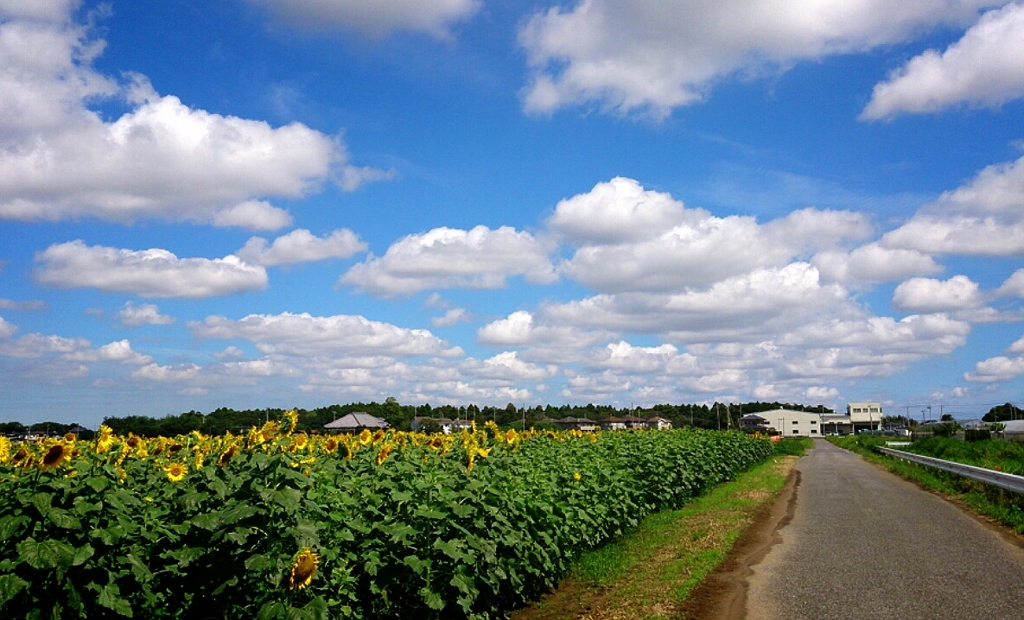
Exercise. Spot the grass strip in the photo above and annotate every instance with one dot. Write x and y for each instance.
(650, 572)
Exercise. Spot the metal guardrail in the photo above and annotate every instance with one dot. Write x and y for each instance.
(1010, 482)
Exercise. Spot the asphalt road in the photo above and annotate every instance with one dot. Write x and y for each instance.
(863, 543)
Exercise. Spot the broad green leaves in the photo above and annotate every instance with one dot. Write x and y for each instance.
(403, 524)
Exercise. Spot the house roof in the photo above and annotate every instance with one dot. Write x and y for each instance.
(356, 419)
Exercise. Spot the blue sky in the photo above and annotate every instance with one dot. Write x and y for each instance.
(255, 204)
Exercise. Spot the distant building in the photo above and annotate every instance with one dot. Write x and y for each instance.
(447, 425)
(356, 421)
(859, 417)
(786, 422)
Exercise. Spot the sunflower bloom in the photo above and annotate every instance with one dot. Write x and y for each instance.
(176, 472)
(227, 455)
(365, 437)
(57, 454)
(105, 440)
(385, 451)
(331, 445)
(303, 569)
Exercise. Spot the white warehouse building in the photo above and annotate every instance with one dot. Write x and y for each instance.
(788, 423)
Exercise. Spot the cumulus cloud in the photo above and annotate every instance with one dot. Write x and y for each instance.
(119, 352)
(872, 264)
(148, 273)
(984, 68)
(551, 342)
(481, 258)
(253, 215)
(137, 315)
(632, 239)
(1013, 286)
(730, 308)
(995, 369)
(451, 317)
(305, 334)
(374, 17)
(618, 211)
(652, 56)
(300, 246)
(162, 159)
(929, 295)
(983, 217)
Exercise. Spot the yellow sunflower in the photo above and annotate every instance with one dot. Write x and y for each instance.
(57, 454)
(385, 451)
(227, 455)
(176, 472)
(104, 441)
(303, 568)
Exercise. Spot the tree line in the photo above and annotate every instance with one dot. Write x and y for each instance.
(222, 420)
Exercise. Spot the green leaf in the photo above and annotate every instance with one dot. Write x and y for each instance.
(431, 598)
(109, 536)
(110, 597)
(207, 521)
(287, 497)
(82, 554)
(10, 585)
(10, 525)
(64, 519)
(46, 554)
(97, 483)
(418, 564)
(401, 496)
(139, 569)
(42, 502)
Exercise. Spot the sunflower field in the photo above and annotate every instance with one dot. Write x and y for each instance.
(280, 524)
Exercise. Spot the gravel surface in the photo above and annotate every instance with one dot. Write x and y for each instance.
(863, 543)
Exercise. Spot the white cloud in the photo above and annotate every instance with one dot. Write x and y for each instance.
(929, 295)
(148, 273)
(632, 239)
(480, 258)
(1013, 286)
(132, 315)
(451, 317)
(168, 374)
(555, 343)
(873, 263)
(817, 229)
(1018, 346)
(161, 159)
(253, 215)
(984, 68)
(300, 246)
(746, 304)
(119, 352)
(304, 334)
(618, 211)
(655, 55)
(996, 369)
(983, 217)
(508, 367)
(7, 329)
(636, 360)
(374, 17)
(32, 304)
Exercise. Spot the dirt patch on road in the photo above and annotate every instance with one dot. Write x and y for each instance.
(723, 594)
